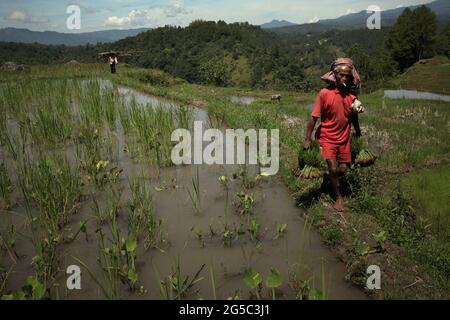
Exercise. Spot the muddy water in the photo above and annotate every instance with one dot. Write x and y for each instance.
(242, 100)
(300, 251)
(415, 95)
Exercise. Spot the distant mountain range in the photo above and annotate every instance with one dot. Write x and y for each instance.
(277, 24)
(388, 17)
(70, 39)
(358, 20)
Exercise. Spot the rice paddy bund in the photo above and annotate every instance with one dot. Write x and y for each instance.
(86, 179)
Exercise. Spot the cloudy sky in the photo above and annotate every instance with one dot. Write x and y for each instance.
(126, 14)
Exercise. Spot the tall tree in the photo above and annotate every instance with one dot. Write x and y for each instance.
(443, 41)
(412, 37)
(425, 30)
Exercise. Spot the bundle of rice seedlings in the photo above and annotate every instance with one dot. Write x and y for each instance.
(361, 154)
(309, 172)
(365, 158)
(311, 157)
(356, 145)
(310, 162)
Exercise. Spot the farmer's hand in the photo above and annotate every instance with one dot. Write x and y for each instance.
(307, 144)
(357, 106)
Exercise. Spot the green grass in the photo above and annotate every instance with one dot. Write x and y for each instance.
(430, 189)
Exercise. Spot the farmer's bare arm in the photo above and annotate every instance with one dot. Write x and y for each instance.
(355, 121)
(309, 130)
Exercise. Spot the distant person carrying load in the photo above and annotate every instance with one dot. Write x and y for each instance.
(338, 108)
(113, 62)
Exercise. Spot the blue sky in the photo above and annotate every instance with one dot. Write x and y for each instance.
(126, 14)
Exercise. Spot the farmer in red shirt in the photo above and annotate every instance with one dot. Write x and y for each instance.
(334, 107)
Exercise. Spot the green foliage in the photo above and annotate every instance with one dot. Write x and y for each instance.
(280, 230)
(43, 54)
(245, 202)
(374, 68)
(331, 234)
(274, 279)
(5, 185)
(252, 279)
(253, 229)
(412, 37)
(157, 78)
(430, 189)
(177, 285)
(215, 72)
(33, 290)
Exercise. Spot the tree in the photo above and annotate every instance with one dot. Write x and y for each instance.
(425, 30)
(374, 69)
(447, 36)
(412, 37)
(214, 71)
(443, 41)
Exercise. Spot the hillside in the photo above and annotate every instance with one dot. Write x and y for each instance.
(433, 76)
(35, 53)
(236, 54)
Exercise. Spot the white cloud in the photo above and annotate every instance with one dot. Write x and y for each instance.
(151, 17)
(314, 20)
(17, 15)
(24, 17)
(349, 11)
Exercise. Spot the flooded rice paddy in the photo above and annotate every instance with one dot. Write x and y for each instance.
(244, 100)
(416, 95)
(138, 227)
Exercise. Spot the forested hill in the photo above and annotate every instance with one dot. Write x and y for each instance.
(216, 52)
(36, 53)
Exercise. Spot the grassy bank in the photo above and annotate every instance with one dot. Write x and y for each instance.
(431, 76)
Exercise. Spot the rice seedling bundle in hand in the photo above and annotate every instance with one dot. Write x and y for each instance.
(310, 162)
(361, 154)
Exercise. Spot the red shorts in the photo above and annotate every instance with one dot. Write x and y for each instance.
(340, 152)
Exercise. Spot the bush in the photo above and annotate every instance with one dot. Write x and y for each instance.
(158, 78)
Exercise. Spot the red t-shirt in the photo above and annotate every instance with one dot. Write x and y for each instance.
(334, 109)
